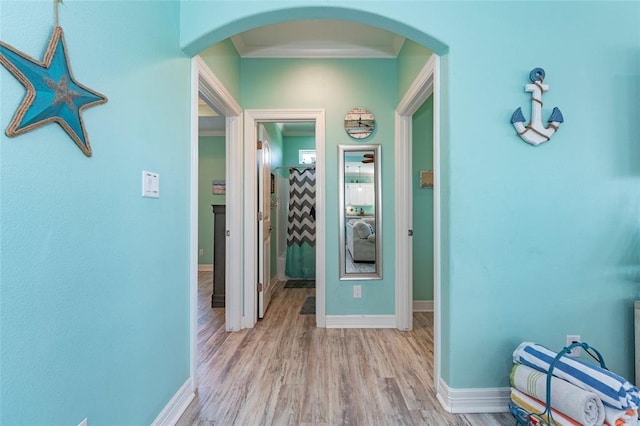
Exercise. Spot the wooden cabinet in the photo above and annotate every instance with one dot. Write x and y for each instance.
(359, 194)
(219, 240)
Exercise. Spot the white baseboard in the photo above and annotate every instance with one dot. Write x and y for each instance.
(205, 267)
(360, 321)
(423, 306)
(171, 413)
(473, 400)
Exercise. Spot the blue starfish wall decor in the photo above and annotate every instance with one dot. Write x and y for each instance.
(52, 93)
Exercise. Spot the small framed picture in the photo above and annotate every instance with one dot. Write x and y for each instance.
(426, 179)
(218, 187)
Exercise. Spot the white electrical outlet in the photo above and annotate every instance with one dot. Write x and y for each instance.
(201, 252)
(577, 351)
(150, 184)
(357, 291)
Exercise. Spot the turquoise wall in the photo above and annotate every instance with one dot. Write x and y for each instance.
(337, 86)
(554, 223)
(522, 220)
(94, 279)
(411, 60)
(422, 158)
(293, 144)
(225, 60)
(211, 166)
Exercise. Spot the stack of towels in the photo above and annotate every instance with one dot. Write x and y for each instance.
(581, 393)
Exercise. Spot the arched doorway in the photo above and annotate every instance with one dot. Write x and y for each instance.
(402, 222)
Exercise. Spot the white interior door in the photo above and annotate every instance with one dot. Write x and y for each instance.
(264, 222)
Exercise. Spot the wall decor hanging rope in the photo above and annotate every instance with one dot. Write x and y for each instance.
(53, 95)
(535, 133)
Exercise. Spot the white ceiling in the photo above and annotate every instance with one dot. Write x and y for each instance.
(317, 39)
(298, 128)
(308, 39)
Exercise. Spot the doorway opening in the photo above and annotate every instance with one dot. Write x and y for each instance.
(286, 210)
(403, 299)
(426, 85)
(206, 86)
(255, 120)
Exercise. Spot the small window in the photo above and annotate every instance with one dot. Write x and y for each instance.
(307, 156)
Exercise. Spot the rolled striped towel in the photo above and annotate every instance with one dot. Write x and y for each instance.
(583, 406)
(621, 417)
(613, 390)
(532, 405)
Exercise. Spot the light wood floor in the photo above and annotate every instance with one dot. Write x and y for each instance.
(286, 371)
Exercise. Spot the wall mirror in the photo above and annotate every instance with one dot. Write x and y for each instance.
(360, 212)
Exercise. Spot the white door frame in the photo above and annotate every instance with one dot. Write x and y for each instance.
(205, 83)
(251, 117)
(426, 83)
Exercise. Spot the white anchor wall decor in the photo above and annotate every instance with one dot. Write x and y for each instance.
(535, 133)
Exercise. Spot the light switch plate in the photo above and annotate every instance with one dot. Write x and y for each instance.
(150, 184)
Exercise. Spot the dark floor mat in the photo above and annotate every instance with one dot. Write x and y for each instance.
(300, 284)
(309, 306)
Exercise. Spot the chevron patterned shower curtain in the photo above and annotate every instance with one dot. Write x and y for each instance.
(301, 229)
